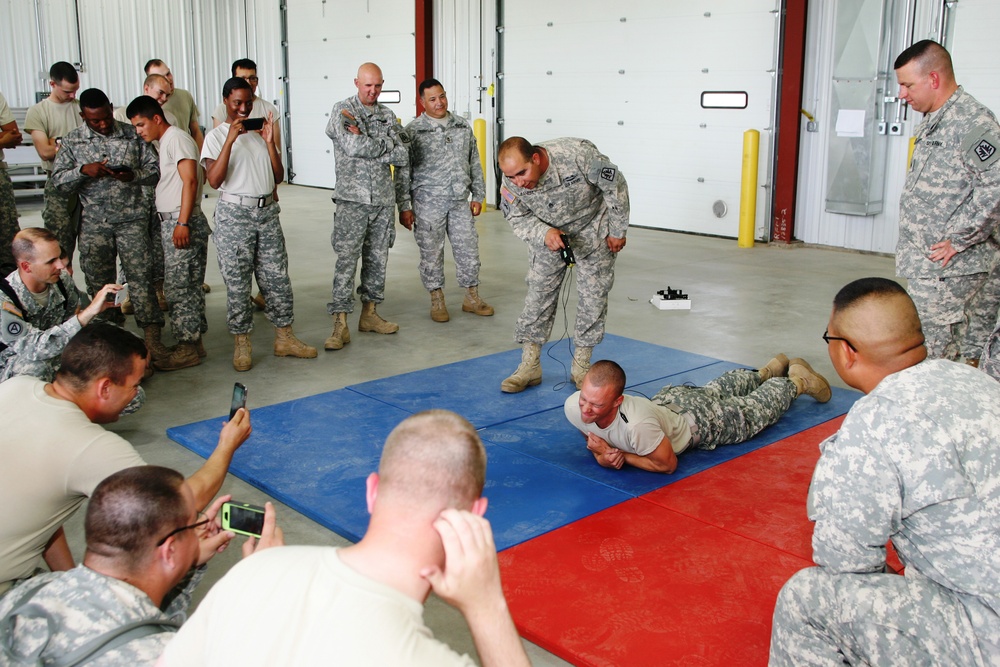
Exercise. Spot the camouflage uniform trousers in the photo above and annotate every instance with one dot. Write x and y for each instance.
(944, 308)
(9, 226)
(184, 273)
(732, 408)
(249, 242)
(434, 218)
(824, 617)
(100, 243)
(546, 271)
(61, 216)
(990, 361)
(365, 231)
(983, 308)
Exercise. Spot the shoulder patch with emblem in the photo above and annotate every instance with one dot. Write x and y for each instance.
(609, 173)
(12, 327)
(984, 150)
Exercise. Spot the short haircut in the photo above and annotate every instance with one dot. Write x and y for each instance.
(235, 83)
(23, 247)
(929, 56)
(131, 510)
(155, 78)
(144, 106)
(433, 459)
(519, 145)
(606, 372)
(863, 288)
(244, 63)
(99, 350)
(63, 71)
(427, 83)
(151, 63)
(94, 98)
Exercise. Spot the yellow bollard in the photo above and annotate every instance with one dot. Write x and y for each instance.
(909, 154)
(748, 189)
(479, 129)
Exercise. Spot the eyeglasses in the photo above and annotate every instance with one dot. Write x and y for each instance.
(173, 532)
(251, 79)
(827, 337)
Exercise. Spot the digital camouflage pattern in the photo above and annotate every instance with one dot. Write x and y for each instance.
(946, 317)
(363, 224)
(952, 192)
(85, 605)
(61, 216)
(586, 197)
(184, 273)
(9, 226)
(114, 219)
(43, 331)
(915, 461)
(444, 170)
(732, 408)
(249, 240)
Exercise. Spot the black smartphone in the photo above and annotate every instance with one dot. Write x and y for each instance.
(251, 124)
(239, 399)
(243, 518)
(120, 168)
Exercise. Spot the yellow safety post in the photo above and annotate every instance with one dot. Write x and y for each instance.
(479, 129)
(909, 153)
(748, 189)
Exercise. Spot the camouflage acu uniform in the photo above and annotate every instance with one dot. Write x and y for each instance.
(586, 197)
(915, 461)
(990, 361)
(84, 605)
(115, 216)
(444, 170)
(730, 409)
(184, 273)
(365, 194)
(9, 226)
(952, 192)
(43, 331)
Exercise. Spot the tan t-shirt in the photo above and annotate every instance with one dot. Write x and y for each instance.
(176, 145)
(53, 458)
(249, 172)
(55, 120)
(182, 106)
(642, 428)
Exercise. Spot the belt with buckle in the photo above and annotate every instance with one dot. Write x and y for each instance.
(249, 202)
(167, 217)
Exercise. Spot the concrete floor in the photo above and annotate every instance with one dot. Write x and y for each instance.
(747, 304)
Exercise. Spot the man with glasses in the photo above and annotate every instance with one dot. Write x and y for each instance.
(48, 122)
(916, 462)
(55, 450)
(649, 434)
(147, 549)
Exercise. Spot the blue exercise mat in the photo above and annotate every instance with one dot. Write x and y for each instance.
(315, 453)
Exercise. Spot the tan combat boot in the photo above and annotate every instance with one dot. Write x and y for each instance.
(528, 373)
(243, 353)
(439, 311)
(370, 320)
(185, 355)
(808, 381)
(473, 303)
(156, 348)
(161, 298)
(340, 336)
(581, 364)
(287, 345)
(775, 368)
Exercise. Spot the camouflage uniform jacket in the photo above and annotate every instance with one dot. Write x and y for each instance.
(45, 330)
(582, 193)
(86, 605)
(362, 160)
(916, 461)
(952, 191)
(444, 160)
(107, 198)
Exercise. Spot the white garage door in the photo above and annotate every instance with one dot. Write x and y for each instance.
(629, 76)
(327, 41)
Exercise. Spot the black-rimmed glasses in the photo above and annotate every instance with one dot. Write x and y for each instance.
(827, 337)
(173, 532)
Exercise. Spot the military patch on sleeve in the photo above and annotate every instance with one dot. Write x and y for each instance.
(984, 150)
(506, 200)
(609, 173)
(12, 327)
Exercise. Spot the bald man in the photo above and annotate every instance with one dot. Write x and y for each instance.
(366, 140)
(364, 602)
(916, 461)
(950, 207)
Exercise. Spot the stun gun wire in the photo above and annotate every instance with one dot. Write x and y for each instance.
(566, 291)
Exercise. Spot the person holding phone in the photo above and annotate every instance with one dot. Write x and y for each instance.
(244, 167)
(40, 307)
(427, 532)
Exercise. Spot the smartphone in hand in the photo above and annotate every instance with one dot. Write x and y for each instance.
(253, 124)
(239, 399)
(243, 518)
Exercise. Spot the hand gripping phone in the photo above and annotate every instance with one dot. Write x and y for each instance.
(239, 399)
(243, 518)
(252, 124)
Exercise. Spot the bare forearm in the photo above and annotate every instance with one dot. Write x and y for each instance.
(57, 554)
(496, 637)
